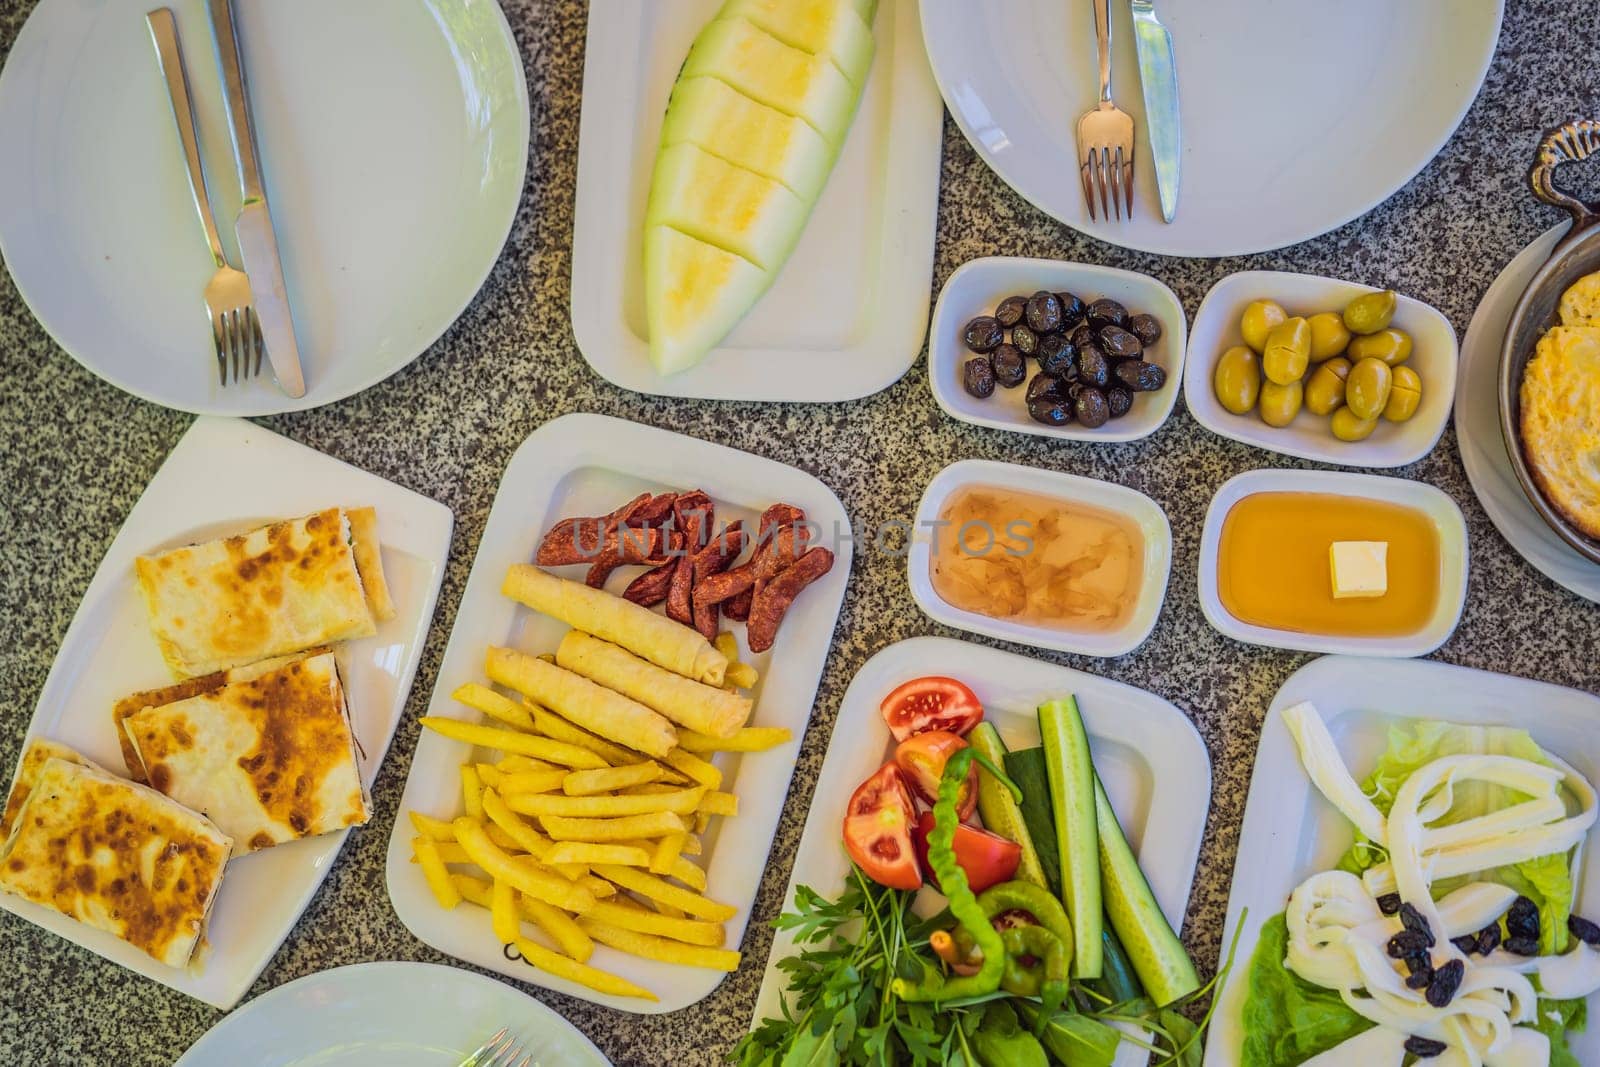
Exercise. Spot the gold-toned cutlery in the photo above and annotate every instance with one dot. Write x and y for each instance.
(235, 333)
(1105, 136)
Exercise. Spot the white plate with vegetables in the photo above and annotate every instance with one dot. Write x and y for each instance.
(1446, 771)
(780, 246)
(902, 721)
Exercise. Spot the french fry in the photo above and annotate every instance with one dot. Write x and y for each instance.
(666, 853)
(501, 838)
(471, 790)
(588, 852)
(493, 705)
(522, 874)
(668, 910)
(447, 851)
(702, 820)
(659, 948)
(433, 869)
(749, 739)
(641, 920)
(648, 789)
(623, 828)
(567, 935)
(473, 890)
(598, 886)
(728, 645)
(537, 781)
(742, 676)
(513, 742)
(582, 973)
(590, 783)
(696, 768)
(648, 885)
(489, 775)
(503, 912)
(526, 837)
(556, 728)
(716, 802)
(522, 765)
(684, 870)
(679, 802)
(438, 829)
(693, 846)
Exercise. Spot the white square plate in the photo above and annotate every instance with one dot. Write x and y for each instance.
(588, 465)
(227, 476)
(1290, 832)
(1153, 763)
(846, 316)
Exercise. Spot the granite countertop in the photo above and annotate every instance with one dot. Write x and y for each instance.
(75, 454)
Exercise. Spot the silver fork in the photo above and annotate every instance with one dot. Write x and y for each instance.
(1105, 136)
(234, 331)
(501, 1050)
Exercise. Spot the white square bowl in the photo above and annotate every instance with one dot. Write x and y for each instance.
(1392, 444)
(976, 287)
(1447, 522)
(1131, 503)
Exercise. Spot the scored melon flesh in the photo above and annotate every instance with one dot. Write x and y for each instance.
(695, 294)
(765, 69)
(716, 202)
(718, 118)
(831, 28)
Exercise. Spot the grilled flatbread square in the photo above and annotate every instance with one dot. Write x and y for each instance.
(116, 856)
(39, 751)
(270, 758)
(369, 563)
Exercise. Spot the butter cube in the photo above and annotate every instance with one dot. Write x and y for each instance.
(1360, 568)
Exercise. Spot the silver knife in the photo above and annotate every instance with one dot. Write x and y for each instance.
(258, 246)
(1159, 76)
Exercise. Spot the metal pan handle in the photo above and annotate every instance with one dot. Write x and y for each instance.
(1570, 143)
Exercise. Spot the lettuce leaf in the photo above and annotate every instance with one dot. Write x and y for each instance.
(1287, 1020)
(1556, 1017)
(1547, 881)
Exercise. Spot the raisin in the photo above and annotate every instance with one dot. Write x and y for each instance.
(1419, 979)
(1415, 921)
(983, 334)
(1389, 903)
(1521, 946)
(1584, 930)
(1407, 943)
(1466, 944)
(1446, 980)
(1523, 918)
(1425, 1047)
(1009, 313)
(1488, 939)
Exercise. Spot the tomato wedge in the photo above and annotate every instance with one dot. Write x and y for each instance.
(932, 703)
(877, 830)
(988, 859)
(921, 760)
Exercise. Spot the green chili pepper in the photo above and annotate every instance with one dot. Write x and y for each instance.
(1001, 1040)
(963, 904)
(1025, 896)
(1051, 957)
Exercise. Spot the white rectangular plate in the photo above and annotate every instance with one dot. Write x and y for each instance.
(588, 465)
(1153, 763)
(227, 476)
(846, 316)
(1290, 832)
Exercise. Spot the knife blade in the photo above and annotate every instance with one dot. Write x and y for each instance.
(258, 243)
(1158, 75)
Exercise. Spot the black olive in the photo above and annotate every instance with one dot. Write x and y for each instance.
(1425, 1048)
(1026, 340)
(983, 334)
(1521, 946)
(1523, 919)
(1092, 408)
(1115, 341)
(1093, 368)
(1140, 376)
(1389, 903)
(1043, 314)
(1488, 939)
(978, 377)
(1446, 980)
(1584, 930)
(1081, 335)
(1147, 328)
(1010, 366)
(1466, 944)
(1120, 399)
(1407, 943)
(1050, 412)
(1106, 312)
(1045, 387)
(1414, 920)
(1056, 354)
(1009, 313)
(1071, 309)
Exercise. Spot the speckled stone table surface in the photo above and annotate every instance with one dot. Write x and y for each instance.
(75, 454)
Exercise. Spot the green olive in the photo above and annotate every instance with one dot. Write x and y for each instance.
(1288, 351)
(1404, 396)
(1391, 345)
(1258, 320)
(1370, 313)
(1281, 403)
(1325, 390)
(1237, 380)
(1366, 391)
(1328, 336)
(1347, 426)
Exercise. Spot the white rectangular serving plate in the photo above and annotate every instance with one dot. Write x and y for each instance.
(846, 316)
(1149, 755)
(1290, 832)
(227, 476)
(580, 465)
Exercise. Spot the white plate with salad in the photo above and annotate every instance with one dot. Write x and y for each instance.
(911, 710)
(1446, 771)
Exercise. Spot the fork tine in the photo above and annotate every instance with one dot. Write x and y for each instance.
(216, 343)
(247, 340)
(1102, 163)
(1127, 180)
(1088, 187)
(260, 342)
(1116, 180)
(235, 339)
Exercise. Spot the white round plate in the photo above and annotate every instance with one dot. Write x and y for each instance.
(396, 1014)
(394, 139)
(1482, 444)
(1298, 115)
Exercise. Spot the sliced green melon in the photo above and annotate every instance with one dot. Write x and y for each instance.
(831, 28)
(695, 294)
(718, 118)
(716, 202)
(765, 69)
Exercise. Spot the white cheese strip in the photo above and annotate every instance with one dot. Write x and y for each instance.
(1325, 768)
